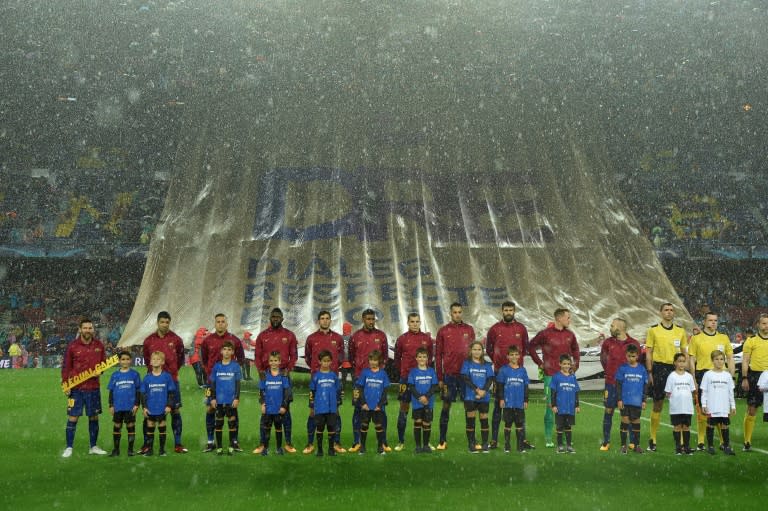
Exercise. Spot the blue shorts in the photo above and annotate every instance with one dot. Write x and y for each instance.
(453, 388)
(610, 396)
(403, 392)
(90, 399)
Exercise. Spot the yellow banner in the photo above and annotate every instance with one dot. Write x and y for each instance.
(90, 373)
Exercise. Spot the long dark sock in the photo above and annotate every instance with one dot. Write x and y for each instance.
(507, 435)
(219, 427)
(687, 439)
(636, 433)
(311, 430)
(176, 427)
(416, 433)
(363, 436)
(380, 436)
(444, 415)
(150, 435)
(93, 430)
(495, 421)
(678, 440)
(726, 437)
(471, 431)
(287, 426)
(70, 432)
(131, 435)
(520, 434)
(623, 433)
(234, 427)
(144, 431)
(210, 425)
(710, 436)
(319, 439)
(279, 436)
(162, 431)
(402, 419)
(559, 438)
(568, 435)
(484, 431)
(116, 435)
(607, 425)
(426, 432)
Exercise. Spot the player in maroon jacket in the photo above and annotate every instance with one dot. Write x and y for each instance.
(169, 344)
(361, 344)
(82, 354)
(554, 341)
(210, 353)
(613, 353)
(278, 338)
(507, 332)
(324, 339)
(451, 350)
(405, 360)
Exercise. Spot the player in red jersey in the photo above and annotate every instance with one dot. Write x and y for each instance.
(554, 341)
(451, 350)
(194, 359)
(507, 332)
(169, 344)
(82, 354)
(210, 353)
(323, 339)
(406, 347)
(613, 354)
(361, 344)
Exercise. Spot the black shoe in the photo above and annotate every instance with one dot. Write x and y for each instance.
(210, 447)
(115, 452)
(319, 453)
(747, 447)
(493, 445)
(131, 453)
(711, 450)
(144, 449)
(528, 445)
(162, 452)
(651, 446)
(700, 447)
(236, 447)
(727, 450)
(148, 452)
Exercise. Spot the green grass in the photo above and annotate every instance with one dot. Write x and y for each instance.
(32, 419)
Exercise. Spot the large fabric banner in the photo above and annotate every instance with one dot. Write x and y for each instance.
(400, 169)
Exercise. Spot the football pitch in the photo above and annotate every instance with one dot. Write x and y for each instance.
(34, 476)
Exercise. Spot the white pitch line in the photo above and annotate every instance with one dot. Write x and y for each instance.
(755, 449)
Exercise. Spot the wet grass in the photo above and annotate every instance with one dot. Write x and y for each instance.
(32, 421)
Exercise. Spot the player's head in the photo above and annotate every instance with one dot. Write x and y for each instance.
(274, 360)
(125, 358)
(414, 322)
(227, 349)
(618, 327)
(163, 322)
(667, 311)
(85, 329)
(220, 323)
(422, 356)
(513, 354)
(508, 311)
(324, 320)
(680, 360)
(369, 319)
(565, 362)
(562, 318)
(762, 324)
(457, 312)
(710, 322)
(476, 351)
(374, 358)
(717, 355)
(632, 353)
(276, 317)
(157, 359)
(326, 359)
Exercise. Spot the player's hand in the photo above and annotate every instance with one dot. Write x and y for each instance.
(733, 412)
(235, 403)
(282, 411)
(312, 412)
(745, 385)
(423, 400)
(263, 408)
(642, 406)
(650, 378)
(525, 405)
(213, 403)
(620, 404)
(704, 410)
(480, 393)
(112, 410)
(364, 407)
(134, 409)
(146, 412)
(167, 409)
(554, 410)
(502, 404)
(578, 409)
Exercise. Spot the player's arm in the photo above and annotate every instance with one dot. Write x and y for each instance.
(111, 402)
(731, 364)
(398, 354)
(620, 401)
(576, 398)
(554, 398)
(490, 340)
(533, 347)
(179, 353)
(308, 353)
(488, 382)
(287, 396)
(575, 354)
(499, 390)
(439, 356)
(293, 352)
(144, 403)
(604, 355)
(382, 399)
(468, 381)
(745, 370)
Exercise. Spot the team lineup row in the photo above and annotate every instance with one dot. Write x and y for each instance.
(459, 372)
